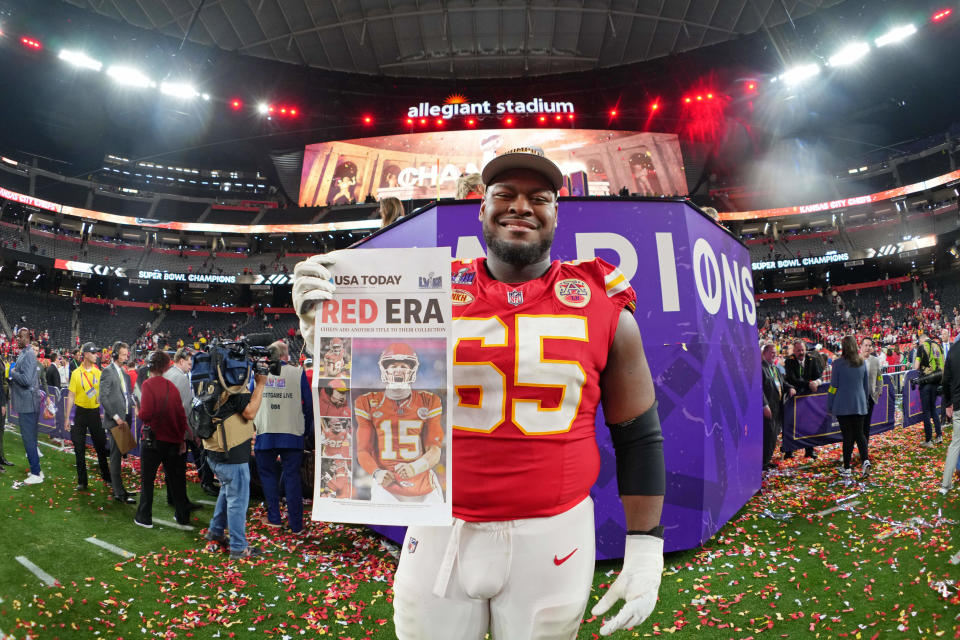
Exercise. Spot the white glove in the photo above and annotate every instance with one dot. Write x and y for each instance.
(637, 584)
(311, 284)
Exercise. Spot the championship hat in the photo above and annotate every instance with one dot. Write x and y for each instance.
(531, 158)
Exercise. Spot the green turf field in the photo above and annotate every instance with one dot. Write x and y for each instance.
(877, 567)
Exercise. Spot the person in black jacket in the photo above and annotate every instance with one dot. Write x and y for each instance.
(52, 374)
(803, 373)
(951, 400)
(775, 391)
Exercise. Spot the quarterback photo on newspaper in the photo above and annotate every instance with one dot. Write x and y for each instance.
(381, 391)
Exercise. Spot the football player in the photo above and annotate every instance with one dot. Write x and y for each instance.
(539, 345)
(336, 482)
(334, 365)
(336, 438)
(332, 400)
(400, 432)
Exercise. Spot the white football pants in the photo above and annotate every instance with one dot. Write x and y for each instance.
(520, 579)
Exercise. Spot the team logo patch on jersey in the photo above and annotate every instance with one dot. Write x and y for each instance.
(464, 276)
(412, 545)
(515, 297)
(377, 414)
(573, 292)
(461, 297)
(422, 413)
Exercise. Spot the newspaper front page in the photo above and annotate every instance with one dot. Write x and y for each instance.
(381, 389)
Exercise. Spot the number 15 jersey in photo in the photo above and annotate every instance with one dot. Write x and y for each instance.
(526, 370)
(390, 432)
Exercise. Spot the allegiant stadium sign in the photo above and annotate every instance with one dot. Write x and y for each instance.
(486, 108)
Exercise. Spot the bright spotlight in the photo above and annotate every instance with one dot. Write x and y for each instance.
(129, 76)
(895, 35)
(850, 54)
(179, 90)
(263, 108)
(800, 73)
(80, 59)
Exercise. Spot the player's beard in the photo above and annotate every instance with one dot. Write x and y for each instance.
(517, 255)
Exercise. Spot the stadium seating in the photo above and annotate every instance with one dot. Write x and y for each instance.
(39, 311)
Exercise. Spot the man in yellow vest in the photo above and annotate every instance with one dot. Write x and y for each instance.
(84, 393)
(928, 362)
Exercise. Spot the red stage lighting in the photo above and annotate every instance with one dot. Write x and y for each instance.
(236, 105)
(543, 118)
(709, 96)
(367, 120)
(687, 100)
(272, 109)
(439, 122)
(293, 112)
(654, 106)
(613, 113)
(751, 86)
(409, 120)
(570, 116)
(283, 110)
(559, 118)
(30, 43)
(423, 121)
(940, 15)
(470, 122)
(699, 98)
(509, 121)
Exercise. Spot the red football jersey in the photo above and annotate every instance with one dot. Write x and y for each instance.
(391, 432)
(340, 485)
(526, 369)
(336, 444)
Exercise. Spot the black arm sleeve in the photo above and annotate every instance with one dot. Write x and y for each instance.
(638, 445)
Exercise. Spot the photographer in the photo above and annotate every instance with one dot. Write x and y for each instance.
(232, 416)
(929, 362)
(285, 416)
(164, 425)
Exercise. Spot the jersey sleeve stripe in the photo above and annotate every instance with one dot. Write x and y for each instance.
(617, 285)
(435, 412)
(360, 412)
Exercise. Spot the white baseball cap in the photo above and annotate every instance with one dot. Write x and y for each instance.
(531, 158)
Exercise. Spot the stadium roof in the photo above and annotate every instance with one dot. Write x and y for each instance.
(457, 39)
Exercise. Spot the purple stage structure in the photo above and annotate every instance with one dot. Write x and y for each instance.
(697, 314)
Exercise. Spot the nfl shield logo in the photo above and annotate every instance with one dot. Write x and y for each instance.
(515, 297)
(412, 545)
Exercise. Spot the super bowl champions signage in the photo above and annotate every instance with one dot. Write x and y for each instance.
(696, 311)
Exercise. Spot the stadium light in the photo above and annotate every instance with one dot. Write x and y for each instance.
(367, 120)
(895, 35)
(654, 106)
(80, 59)
(183, 90)
(799, 73)
(263, 108)
(850, 54)
(941, 15)
(129, 76)
(236, 104)
(30, 43)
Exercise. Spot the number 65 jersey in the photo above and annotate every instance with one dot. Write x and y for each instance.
(526, 370)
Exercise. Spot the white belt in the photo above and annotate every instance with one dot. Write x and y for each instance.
(449, 559)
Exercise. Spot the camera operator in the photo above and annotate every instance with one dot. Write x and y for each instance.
(929, 363)
(233, 415)
(179, 375)
(285, 416)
